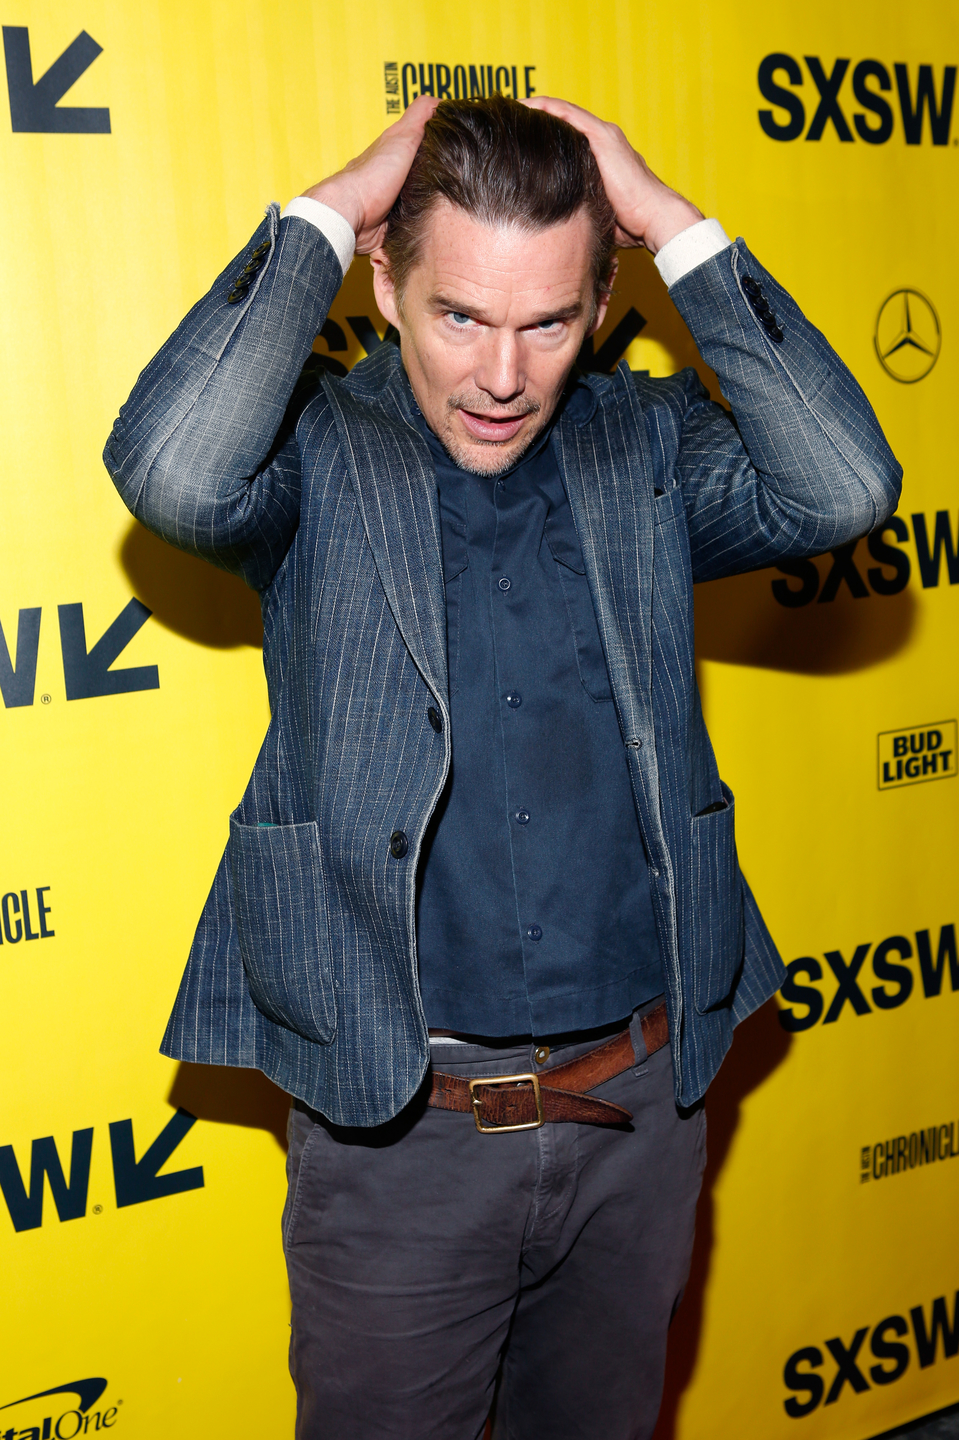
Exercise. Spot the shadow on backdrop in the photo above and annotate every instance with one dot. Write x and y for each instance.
(227, 1095)
(759, 1046)
(740, 622)
(189, 596)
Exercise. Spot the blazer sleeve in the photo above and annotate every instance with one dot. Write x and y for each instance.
(204, 452)
(801, 466)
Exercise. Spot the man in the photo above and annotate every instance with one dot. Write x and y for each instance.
(486, 826)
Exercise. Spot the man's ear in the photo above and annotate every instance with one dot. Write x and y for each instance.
(383, 288)
(603, 302)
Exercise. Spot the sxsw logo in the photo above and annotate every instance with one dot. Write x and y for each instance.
(888, 1346)
(874, 120)
(86, 673)
(134, 1181)
(83, 1420)
(895, 979)
(909, 757)
(937, 557)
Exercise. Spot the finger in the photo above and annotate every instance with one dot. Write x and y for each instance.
(575, 115)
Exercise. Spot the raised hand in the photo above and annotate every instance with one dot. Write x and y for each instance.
(648, 212)
(363, 192)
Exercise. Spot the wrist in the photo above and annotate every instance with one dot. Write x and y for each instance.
(674, 216)
(339, 198)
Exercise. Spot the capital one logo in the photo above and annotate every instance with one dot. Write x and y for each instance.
(783, 83)
(83, 1420)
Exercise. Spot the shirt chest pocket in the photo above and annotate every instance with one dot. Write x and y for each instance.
(563, 543)
(455, 578)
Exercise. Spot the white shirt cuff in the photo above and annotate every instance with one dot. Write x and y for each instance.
(330, 223)
(691, 247)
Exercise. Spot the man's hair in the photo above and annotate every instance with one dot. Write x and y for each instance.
(501, 163)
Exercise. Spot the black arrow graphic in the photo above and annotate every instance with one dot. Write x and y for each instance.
(18, 683)
(89, 675)
(137, 1180)
(33, 107)
(367, 336)
(616, 343)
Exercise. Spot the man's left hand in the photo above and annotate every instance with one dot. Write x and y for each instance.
(648, 212)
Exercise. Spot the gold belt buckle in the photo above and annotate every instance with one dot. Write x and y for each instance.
(506, 1080)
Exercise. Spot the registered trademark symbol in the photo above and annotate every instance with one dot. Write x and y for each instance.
(45, 699)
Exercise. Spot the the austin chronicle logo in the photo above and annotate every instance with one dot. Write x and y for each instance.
(908, 336)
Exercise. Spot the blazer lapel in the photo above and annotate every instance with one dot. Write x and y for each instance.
(606, 470)
(395, 485)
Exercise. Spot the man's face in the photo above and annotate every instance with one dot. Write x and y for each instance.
(491, 321)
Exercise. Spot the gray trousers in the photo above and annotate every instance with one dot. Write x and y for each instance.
(433, 1268)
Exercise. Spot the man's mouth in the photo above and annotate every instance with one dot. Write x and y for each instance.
(492, 428)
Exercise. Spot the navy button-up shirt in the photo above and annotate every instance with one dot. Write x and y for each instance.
(534, 908)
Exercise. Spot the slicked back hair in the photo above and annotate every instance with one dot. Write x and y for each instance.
(501, 163)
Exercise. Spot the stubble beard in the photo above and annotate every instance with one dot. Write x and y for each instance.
(488, 458)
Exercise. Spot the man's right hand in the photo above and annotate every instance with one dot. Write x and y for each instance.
(364, 191)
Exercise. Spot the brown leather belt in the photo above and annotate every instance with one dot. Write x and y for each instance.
(525, 1102)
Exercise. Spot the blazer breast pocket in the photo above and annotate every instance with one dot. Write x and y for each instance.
(279, 904)
(717, 900)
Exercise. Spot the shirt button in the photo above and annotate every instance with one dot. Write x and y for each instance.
(514, 699)
(504, 583)
(399, 845)
(522, 817)
(654, 871)
(435, 719)
(533, 932)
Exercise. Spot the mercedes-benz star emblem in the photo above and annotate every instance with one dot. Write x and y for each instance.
(907, 336)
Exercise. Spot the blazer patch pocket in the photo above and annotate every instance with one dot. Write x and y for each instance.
(717, 898)
(280, 908)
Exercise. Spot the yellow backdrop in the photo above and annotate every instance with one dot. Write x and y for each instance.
(144, 1280)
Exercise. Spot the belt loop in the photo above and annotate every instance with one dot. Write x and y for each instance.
(638, 1039)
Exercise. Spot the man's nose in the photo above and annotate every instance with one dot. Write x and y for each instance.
(501, 372)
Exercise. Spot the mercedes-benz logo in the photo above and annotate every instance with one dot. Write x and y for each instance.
(907, 337)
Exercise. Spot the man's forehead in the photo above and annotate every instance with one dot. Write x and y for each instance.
(457, 249)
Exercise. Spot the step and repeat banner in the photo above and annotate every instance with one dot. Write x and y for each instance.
(139, 1221)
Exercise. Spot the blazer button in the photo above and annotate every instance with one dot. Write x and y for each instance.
(435, 719)
(750, 286)
(261, 250)
(237, 294)
(399, 844)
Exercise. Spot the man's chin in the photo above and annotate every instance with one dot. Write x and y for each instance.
(488, 458)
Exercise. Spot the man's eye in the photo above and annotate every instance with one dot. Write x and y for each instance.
(458, 318)
(548, 324)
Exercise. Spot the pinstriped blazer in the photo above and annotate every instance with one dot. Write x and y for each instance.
(320, 493)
